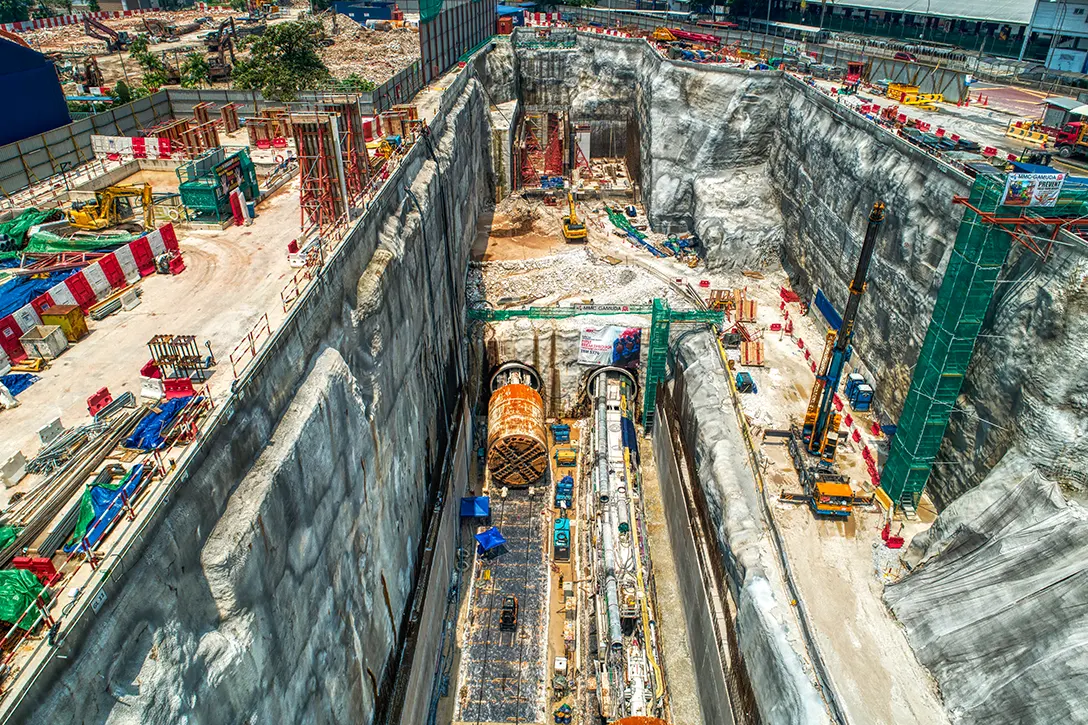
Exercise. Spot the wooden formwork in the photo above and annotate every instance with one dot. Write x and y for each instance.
(751, 353)
(746, 308)
(202, 112)
(199, 139)
(228, 114)
(173, 130)
(317, 145)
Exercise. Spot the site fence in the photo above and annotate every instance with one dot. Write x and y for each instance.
(54, 155)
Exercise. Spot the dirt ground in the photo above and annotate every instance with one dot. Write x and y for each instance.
(161, 181)
(231, 278)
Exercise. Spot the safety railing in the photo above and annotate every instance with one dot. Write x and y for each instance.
(246, 350)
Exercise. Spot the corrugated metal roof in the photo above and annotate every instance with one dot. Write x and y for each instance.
(995, 11)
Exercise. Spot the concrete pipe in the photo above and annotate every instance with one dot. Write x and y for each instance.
(517, 448)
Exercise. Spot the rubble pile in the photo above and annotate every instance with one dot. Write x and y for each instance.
(374, 55)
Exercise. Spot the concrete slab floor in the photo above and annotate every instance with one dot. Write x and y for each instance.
(231, 278)
(683, 697)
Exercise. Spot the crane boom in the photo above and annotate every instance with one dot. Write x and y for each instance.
(822, 428)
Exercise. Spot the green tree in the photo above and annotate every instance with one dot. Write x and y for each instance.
(356, 82)
(283, 61)
(194, 71)
(122, 93)
(93, 6)
(14, 10)
(138, 47)
(238, 5)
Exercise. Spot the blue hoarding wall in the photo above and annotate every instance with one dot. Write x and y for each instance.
(362, 10)
(29, 82)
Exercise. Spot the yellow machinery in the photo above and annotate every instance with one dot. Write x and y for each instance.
(663, 34)
(111, 207)
(573, 228)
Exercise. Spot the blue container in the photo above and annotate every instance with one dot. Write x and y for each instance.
(853, 380)
(863, 398)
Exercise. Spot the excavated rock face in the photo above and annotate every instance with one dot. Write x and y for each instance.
(829, 167)
(761, 166)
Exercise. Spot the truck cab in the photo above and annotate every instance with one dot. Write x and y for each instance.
(1070, 139)
(833, 499)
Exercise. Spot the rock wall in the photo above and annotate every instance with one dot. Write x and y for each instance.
(275, 584)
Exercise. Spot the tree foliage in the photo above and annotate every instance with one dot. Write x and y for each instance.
(283, 61)
(14, 10)
(356, 82)
(154, 69)
(194, 71)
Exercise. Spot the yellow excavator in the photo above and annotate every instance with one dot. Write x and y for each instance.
(111, 207)
(573, 229)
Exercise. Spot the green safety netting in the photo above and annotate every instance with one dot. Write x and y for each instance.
(13, 232)
(7, 535)
(18, 590)
(429, 10)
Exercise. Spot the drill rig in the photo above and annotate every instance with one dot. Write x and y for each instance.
(821, 429)
(826, 491)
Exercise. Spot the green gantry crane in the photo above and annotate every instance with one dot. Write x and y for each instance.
(662, 317)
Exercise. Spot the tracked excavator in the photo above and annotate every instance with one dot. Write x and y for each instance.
(114, 40)
(574, 230)
(112, 208)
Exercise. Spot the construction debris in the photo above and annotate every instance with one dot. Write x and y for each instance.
(372, 55)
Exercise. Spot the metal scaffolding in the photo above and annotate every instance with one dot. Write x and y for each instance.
(984, 240)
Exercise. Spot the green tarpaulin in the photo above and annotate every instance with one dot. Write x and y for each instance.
(13, 232)
(18, 590)
(7, 535)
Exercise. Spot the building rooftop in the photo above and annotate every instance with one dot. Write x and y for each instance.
(1017, 12)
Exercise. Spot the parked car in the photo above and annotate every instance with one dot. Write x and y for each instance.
(904, 55)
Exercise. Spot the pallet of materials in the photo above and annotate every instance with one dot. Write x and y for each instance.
(751, 353)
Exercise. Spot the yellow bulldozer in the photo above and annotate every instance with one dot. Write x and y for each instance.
(573, 228)
(112, 207)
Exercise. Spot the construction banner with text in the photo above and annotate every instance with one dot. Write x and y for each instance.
(611, 345)
(1032, 189)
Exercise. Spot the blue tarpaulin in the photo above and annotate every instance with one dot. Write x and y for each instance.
(148, 433)
(20, 291)
(18, 382)
(630, 437)
(100, 506)
(834, 319)
(490, 540)
(473, 507)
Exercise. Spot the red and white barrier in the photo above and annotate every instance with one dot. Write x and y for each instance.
(88, 287)
(58, 21)
(116, 147)
(539, 19)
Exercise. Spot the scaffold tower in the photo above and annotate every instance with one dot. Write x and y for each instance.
(985, 237)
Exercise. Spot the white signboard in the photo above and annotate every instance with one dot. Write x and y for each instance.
(611, 345)
(1032, 189)
(791, 47)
